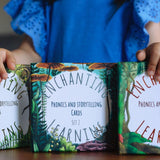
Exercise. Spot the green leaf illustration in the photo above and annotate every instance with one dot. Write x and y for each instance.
(133, 150)
(46, 148)
(36, 149)
(132, 137)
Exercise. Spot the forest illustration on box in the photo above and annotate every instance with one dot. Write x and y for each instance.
(130, 142)
(13, 135)
(45, 141)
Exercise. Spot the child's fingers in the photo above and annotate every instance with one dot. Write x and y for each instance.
(157, 76)
(6, 56)
(3, 73)
(141, 55)
(10, 60)
(152, 65)
(154, 59)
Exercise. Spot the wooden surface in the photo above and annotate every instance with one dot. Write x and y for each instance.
(26, 154)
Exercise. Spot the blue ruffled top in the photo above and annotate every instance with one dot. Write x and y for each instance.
(85, 30)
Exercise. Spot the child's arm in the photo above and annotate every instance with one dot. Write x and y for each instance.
(152, 52)
(25, 54)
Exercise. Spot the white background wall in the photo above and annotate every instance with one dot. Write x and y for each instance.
(5, 20)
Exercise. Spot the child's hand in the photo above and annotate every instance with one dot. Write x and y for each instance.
(152, 55)
(6, 57)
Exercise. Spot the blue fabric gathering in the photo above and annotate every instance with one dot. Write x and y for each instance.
(85, 31)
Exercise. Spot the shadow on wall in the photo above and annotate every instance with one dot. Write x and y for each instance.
(10, 41)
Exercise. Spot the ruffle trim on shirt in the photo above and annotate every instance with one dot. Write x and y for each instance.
(138, 37)
(28, 17)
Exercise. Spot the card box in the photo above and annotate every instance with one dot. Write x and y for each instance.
(72, 107)
(14, 108)
(139, 110)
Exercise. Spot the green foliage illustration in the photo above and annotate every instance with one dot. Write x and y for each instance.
(60, 143)
(15, 139)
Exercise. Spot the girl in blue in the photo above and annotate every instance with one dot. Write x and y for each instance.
(85, 31)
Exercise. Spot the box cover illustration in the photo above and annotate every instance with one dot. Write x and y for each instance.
(14, 108)
(139, 110)
(71, 106)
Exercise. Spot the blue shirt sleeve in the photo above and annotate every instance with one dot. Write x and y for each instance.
(144, 11)
(28, 17)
